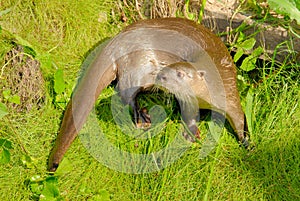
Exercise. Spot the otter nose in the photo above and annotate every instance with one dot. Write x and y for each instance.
(162, 77)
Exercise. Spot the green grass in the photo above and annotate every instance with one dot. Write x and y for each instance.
(65, 31)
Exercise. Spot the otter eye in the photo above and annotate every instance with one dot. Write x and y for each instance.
(180, 74)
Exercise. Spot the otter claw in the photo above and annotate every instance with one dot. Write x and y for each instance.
(143, 120)
(193, 138)
(245, 143)
(144, 116)
(143, 125)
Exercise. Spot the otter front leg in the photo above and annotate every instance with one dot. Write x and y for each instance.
(190, 116)
(192, 127)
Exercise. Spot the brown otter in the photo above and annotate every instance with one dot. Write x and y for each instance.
(135, 57)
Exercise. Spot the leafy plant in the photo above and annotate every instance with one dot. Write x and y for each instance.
(59, 88)
(3, 110)
(11, 98)
(44, 188)
(286, 7)
(5, 146)
(28, 161)
(243, 46)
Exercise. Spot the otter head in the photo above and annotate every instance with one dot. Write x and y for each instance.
(180, 79)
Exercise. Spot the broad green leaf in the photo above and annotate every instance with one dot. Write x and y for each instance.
(52, 180)
(5, 143)
(286, 7)
(104, 194)
(6, 93)
(59, 83)
(50, 192)
(297, 2)
(240, 29)
(28, 161)
(257, 52)
(249, 63)
(248, 44)
(64, 167)
(238, 54)
(4, 156)
(15, 99)
(3, 110)
(36, 188)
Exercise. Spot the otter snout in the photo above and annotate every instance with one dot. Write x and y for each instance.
(161, 77)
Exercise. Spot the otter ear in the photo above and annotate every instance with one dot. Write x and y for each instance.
(201, 73)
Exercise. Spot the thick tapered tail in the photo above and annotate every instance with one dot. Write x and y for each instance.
(66, 135)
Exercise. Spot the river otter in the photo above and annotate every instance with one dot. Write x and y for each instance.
(135, 57)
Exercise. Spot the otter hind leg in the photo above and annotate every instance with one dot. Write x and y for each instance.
(237, 120)
(144, 116)
(141, 118)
